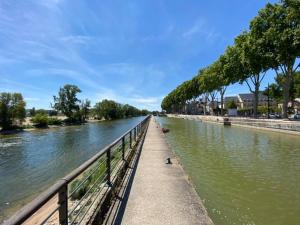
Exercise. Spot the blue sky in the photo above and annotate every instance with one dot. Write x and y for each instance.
(133, 52)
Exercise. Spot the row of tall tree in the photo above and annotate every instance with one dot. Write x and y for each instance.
(109, 110)
(271, 43)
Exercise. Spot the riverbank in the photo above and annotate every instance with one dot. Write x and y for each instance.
(274, 125)
(28, 125)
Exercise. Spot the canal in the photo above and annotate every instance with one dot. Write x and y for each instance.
(33, 160)
(244, 176)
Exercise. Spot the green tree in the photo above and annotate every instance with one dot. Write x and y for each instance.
(85, 109)
(231, 105)
(12, 109)
(130, 111)
(108, 110)
(297, 85)
(255, 64)
(52, 113)
(214, 80)
(277, 29)
(32, 112)
(67, 101)
(41, 111)
(276, 89)
(40, 120)
(274, 92)
(176, 99)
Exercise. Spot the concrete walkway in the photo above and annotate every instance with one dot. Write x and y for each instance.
(161, 193)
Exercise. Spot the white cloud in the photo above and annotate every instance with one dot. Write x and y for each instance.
(147, 100)
(141, 102)
(106, 93)
(151, 103)
(29, 99)
(16, 86)
(201, 29)
(196, 28)
(71, 74)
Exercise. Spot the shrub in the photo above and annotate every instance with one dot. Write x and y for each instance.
(40, 120)
(54, 121)
(231, 105)
(262, 109)
(244, 112)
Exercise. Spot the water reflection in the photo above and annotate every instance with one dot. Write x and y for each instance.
(245, 176)
(31, 161)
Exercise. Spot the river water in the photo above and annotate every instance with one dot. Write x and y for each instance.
(244, 176)
(33, 160)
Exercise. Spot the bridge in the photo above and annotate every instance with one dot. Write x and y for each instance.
(131, 181)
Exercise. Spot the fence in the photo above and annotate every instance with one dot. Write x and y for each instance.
(83, 196)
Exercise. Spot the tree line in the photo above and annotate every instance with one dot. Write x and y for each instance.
(13, 111)
(109, 110)
(271, 43)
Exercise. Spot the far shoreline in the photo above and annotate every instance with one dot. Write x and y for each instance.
(49, 127)
(21, 130)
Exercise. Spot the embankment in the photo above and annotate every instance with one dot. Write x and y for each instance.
(276, 125)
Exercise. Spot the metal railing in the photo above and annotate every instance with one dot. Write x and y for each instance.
(75, 198)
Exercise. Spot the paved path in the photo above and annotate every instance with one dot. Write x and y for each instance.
(160, 192)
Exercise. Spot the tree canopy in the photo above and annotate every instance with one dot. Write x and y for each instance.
(272, 42)
(67, 102)
(110, 110)
(12, 109)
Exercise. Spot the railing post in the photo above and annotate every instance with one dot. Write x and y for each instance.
(108, 165)
(134, 134)
(123, 148)
(63, 204)
(130, 139)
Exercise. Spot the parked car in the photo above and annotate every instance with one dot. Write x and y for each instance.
(297, 116)
(274, 116)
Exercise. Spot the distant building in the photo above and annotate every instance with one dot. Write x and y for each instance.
(193, 108)
(295, 105)
(245, 101)
(229, 99)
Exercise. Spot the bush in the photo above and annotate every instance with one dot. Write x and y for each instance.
(231, 105)
(244, 112)
(41, 111)
(54, 121)
(40, 120)
(262, 109)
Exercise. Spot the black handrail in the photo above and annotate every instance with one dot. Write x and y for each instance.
(61, 186)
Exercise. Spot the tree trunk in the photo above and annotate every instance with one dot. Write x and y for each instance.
(286, 91)
(222, 100)
(204, 105)
(255, 102)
